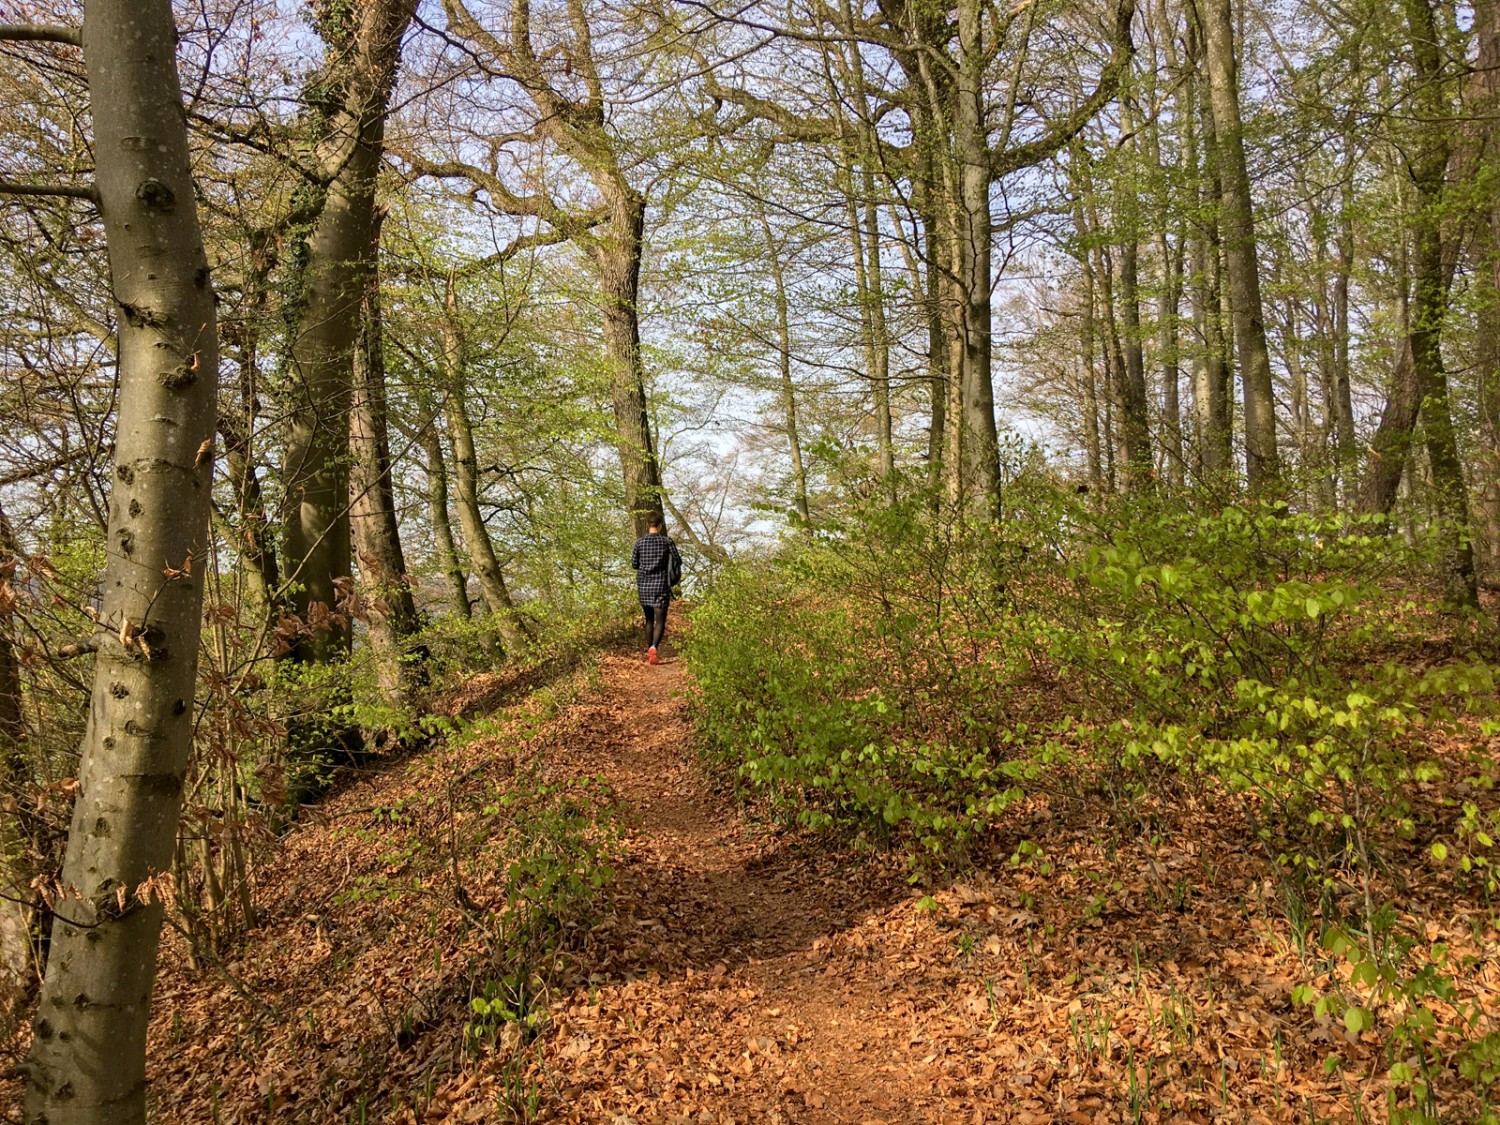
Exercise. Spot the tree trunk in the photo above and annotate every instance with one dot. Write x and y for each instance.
(1135, 428)
(616, 253)
(88, 1055)
(1088, 334)
(251, 538)
(466, 481)
(937, 366)
(884, 441)
(1237, 227)
(981, 446)
(1487, 282)
(788, 388)
(1392, 438)
(392, 615)
(1211, 399)
(442, 526)
(1428, 167)
(16, 897)
(322, 349)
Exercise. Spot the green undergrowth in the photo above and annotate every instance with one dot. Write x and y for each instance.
(896, 679)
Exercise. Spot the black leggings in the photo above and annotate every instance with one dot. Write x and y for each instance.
(656, 624)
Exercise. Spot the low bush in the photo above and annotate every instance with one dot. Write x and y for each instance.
(896, 678)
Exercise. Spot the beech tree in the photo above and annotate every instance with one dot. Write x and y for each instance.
(88, 1056)
(565, 86)
(352, 95)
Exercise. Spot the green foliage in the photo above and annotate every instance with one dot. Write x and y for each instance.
(909, 679)
(1258, 647)
(815, 703)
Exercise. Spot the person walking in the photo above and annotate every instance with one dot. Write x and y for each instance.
(658, 568)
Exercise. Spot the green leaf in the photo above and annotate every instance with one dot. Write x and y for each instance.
(1357, 1020)
(1439, 850)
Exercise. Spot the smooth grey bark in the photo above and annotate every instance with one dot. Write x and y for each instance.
(1237, 229)
(316, 464)
(980, 448)
(87, 1064)
(392, 619)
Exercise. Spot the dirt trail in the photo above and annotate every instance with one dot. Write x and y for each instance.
(713, 972)
(736, 973)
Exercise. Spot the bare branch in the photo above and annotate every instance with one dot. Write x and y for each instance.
(66, 191)
(41, 33)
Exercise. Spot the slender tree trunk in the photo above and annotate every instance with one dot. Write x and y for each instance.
(88, 1055)
(466, 482)
(933, 310)
(864, 233)
(1343, 397)
(1211, 398)
(1297, 377)
(981, 447)
(1169, 213)
(442, 527)
(1487, 282)
(788, 387)
(1427, 168)
(17, 900)
(251, 538)
(880, 373)
(1237, 225)
(392, 614)
(1088, 333)
(1135, 427)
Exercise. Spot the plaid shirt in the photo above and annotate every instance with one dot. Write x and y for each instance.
(658, 568)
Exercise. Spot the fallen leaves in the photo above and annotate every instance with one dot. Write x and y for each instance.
(741, 975)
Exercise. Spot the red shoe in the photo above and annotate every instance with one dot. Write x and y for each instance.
(651, 655)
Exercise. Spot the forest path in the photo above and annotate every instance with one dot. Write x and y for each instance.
(733, 972)
(715, 993)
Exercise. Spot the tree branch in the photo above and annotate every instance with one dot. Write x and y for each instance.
(41, 33)
(1007, 160)
(66, 191)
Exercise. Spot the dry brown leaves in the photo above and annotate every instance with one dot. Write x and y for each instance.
(739, 974)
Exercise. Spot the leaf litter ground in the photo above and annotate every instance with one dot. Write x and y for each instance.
(740, 972)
